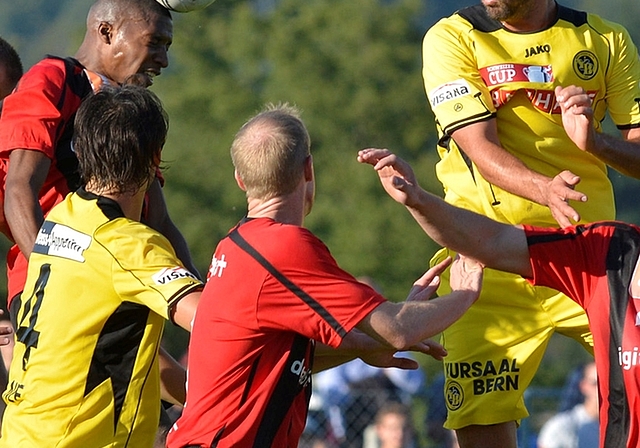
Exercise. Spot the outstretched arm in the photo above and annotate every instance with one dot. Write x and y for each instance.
(496, 245)
(402, 325)
(357, 344)
(577, 118)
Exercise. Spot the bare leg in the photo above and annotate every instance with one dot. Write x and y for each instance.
(501, 435)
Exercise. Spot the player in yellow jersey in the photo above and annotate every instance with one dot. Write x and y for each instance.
(100, 285)
(495, 75)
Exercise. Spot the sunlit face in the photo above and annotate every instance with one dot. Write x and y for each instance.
(140, 47)
(505, 10)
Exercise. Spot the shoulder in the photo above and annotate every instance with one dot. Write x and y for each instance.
(130, 241)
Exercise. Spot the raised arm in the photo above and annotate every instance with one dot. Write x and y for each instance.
(494, 244)
(499, 167)
(577, 118)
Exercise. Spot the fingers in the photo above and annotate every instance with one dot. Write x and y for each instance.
(426, 286)
(562, 190)
(403, 363)
(372, 155)
(573, 98)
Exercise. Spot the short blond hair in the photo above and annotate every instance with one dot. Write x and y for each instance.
(270, 150)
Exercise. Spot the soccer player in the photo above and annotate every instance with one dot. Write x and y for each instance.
(490, 73)
(274, 291)
(124, 39)
(597, 265)
(100, 285)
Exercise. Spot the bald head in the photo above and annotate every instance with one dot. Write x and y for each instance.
(127, 38)
(114, 11)
(270, 151)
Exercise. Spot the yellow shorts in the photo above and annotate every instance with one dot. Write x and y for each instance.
(496, 347)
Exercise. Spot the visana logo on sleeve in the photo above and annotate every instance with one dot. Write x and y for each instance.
(61, 241)
(449, 91)
(167, 275)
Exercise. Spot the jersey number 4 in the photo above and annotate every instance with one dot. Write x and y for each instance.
(28, 335)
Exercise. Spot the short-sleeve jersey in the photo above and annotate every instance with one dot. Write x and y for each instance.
(39, 116)
(597, 266)
(474, 69)
(88, 328)
(251, 347)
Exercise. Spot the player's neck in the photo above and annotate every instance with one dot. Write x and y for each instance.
(281, 209)
(130, 203)
(540, 17)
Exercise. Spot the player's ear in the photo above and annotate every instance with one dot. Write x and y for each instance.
(239, 180)
(308, 168)
(105, 31)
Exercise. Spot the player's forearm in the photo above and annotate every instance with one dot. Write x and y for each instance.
(24, 218)
(622, 155)
(494, 244)
(173, 379)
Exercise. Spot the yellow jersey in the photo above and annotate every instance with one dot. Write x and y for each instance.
(88, 328)
(474, 70)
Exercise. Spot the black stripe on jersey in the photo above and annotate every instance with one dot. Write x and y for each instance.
(76, 84)
(477, 16)
(622, 256)
(116, 351)
(284, 394)
(109, 207)
(621, 262)
(306, 298)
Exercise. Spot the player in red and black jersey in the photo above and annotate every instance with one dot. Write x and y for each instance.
(276, 306)
(125, 41)
(597, 265)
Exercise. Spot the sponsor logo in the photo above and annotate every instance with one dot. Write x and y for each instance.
(585, 64)
(216, 267)
(167, 275)
(487, 376)
(449, 91)
(542, 99)
(628, 358)
(499, 74)
(454, 395)
(61, 241)
(304, 375)
(532, 51)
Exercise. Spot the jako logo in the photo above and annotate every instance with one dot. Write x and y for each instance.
(167, 275)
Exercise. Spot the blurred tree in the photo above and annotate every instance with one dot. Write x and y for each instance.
(354, 70)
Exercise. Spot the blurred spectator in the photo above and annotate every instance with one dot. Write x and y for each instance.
(577, 427)
(351, 394)
(392, 428)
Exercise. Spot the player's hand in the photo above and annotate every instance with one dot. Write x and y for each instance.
(392, 358)
(466, 276)
(577, 116)
(395, 174)
(426, 286)
(561, 189)
(6, 332)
